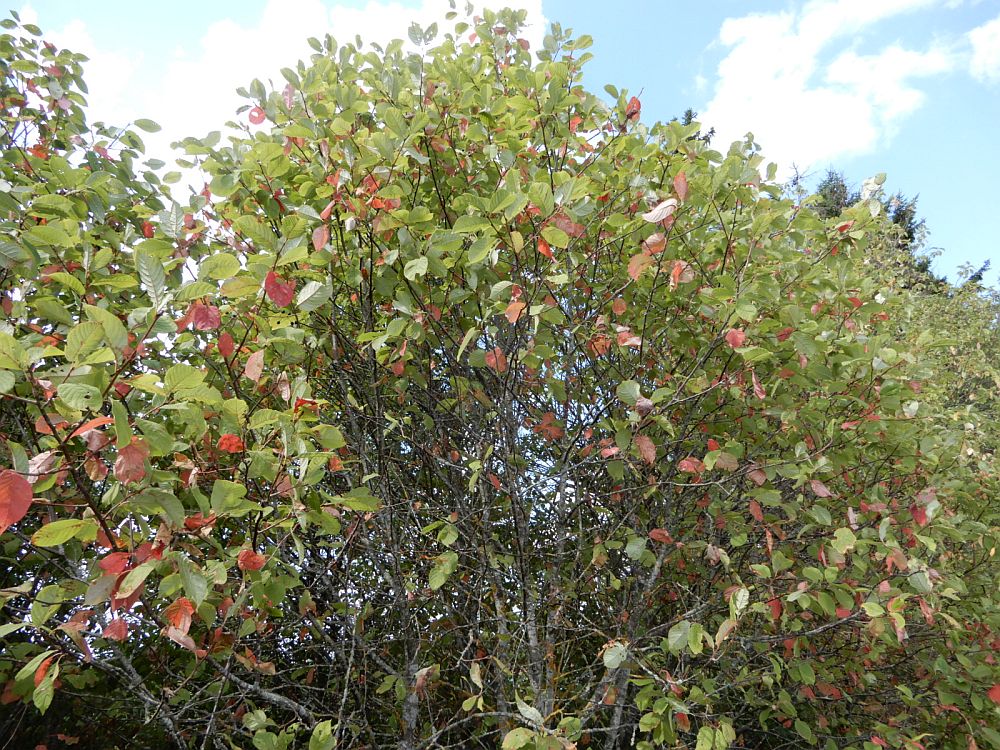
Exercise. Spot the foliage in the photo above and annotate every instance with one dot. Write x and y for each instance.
(463, 408)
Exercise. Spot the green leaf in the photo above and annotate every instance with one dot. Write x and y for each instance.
(614, 655)
(628, 392)
(444, 565)
(706, 738)
(843, 540)
(313, 295)
(134, 579)
(219, 266)
(147, 125)
(517, 738)
(322, 737)
(151, 276)
(59, 532)
(80, 397)
(415, 268)
(677, 636)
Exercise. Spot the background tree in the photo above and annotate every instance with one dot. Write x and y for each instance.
(462, 408)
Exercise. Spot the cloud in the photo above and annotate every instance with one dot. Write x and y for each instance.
(806, 105)
(985, 62)
(194, 91)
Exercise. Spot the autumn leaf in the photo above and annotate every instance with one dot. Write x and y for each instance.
(513, 311)
(544, 249)
(255, 366)
(250, 560)
(130, 464)
(320, 236)
(633, 108)
(819, 489)
(278, 290)
(90, 425)
(179, 613)
(691, 465)
(637, 264)
(116, 630)
(206, 317)
(661, 535)
(681, 273)
(496, 360)
(655, 243)
(735, 338)
(15, 498)
(661, 211)
(756, 511)
(919, 515)
(226, 345)
(256, 116)
(230, 443)
(994, 693)
(681, 186)
(647, 448)
(758, 389)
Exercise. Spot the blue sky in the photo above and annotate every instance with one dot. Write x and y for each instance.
(906, 87)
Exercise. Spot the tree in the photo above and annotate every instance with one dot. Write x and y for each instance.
(463, 408)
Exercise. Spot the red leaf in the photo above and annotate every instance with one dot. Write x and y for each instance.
(116, 562)
(320, 236)
(15, 498)
(130, 464)
(256, 116)
(279, 290)
(147, 230)
(758, 389)
(758, 477)
(250, 560)
(713, 444)
(226, 345)
(255, 366)
(230, 443)
(496, 360)
(735, 338)
(514, 310)
(618, 306)
(691, 465)
(681, 186)
(819, 489)
(756, 511)
(116, 630)
(845, 226)
(206, 317)
(994, 693)
(92, 424)
(638, 263)
(919, 515)
(633, 109)
(647, 448)
(775, 605)
(544, 249)
(661, 535)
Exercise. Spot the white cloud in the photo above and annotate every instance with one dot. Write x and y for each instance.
(985, 41)
(194, 92)
(779, 81)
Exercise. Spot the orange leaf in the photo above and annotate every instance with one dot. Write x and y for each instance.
(514, 310)
(661, 535)
(93, 424)
(756, 511)
(496, 360)
(15, 498)
(250, 560)
(681, 186)
(994, 693)
(116, 630)
(637, 264)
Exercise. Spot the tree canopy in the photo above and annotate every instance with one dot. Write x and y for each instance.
(464, 408)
